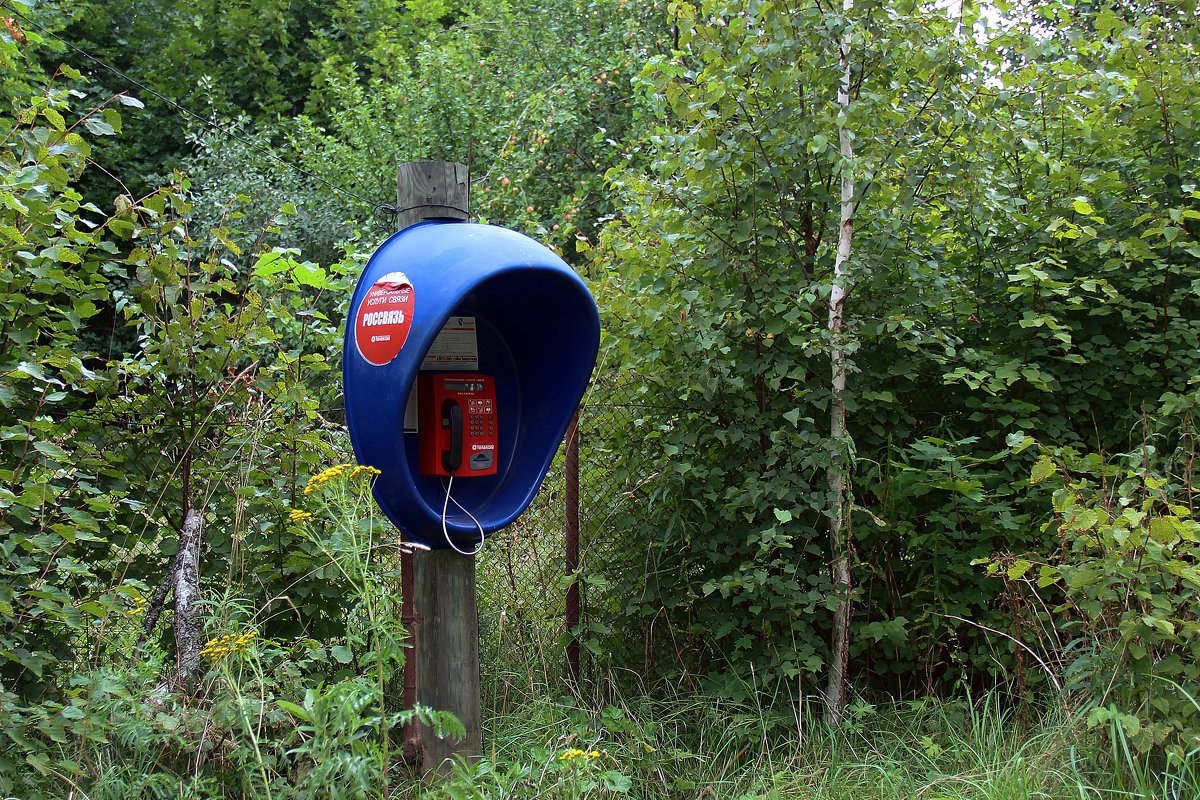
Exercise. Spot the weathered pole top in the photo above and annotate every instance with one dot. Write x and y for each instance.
(431, 190)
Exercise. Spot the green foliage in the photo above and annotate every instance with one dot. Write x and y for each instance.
(292, 717)
(241, 182)
(571, 774)
(58, 258)
(232, 366)
(1126, 574)
(220, 59)
(720, 268)
(150, 357)
(1024, 252)
(539, 110)
(685, 745)
(1025, 265)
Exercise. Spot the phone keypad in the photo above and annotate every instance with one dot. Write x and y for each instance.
(482, 424)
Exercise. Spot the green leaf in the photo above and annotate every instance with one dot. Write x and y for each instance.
(1164, 530)
(1047, 576)
(1020, 441)
(113, 118)
(273, 262)
(51, 450)
(341, 653)
(309, 274)
(615, 782)
(1018, 569)
(40, 762)
(99, 127)
(94, 609)
(1043, 468)
(294, 709)
(1159, 624)
(782, 515)
(1082, 206)
(1108, 23)
(54, 118)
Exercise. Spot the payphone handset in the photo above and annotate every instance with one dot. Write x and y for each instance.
(457, 425)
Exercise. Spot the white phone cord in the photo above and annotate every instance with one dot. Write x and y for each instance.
(449, 541)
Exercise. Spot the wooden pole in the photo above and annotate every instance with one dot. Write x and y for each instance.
(408, 618)
(447, 651)
(431, 190)
(444, 623)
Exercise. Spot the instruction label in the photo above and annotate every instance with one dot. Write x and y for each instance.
(384, 319)
(455, 348)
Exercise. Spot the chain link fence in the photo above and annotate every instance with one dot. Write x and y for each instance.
(525, 578)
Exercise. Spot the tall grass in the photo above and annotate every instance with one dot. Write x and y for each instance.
(697, 746)
(670, 743)
(693, 746)
(1131, 773)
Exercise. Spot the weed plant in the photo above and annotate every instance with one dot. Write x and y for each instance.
(688, 745)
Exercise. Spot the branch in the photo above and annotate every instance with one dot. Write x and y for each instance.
(183, 579)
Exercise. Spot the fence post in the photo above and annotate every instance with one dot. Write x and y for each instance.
(571, 560)
(411, 623)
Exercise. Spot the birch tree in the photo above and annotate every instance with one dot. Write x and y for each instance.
(732, 268)
(839, 463)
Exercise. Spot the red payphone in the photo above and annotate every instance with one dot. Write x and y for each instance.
(457, 424)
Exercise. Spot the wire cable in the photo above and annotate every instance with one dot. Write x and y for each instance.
(208, 123)
(446, 533)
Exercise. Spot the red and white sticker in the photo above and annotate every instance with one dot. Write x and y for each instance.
(384, 319)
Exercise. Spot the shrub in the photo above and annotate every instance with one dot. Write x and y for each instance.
(1124, 580)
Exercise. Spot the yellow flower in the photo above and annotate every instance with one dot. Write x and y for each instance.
(299, 515)
(574, 753)
(324, 476)
(229, 643)
(139, 605)
(361, 470)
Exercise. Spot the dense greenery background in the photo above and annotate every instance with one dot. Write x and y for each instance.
(189, 189)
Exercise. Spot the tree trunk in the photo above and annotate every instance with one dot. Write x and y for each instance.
(836, 688)
(189, 625)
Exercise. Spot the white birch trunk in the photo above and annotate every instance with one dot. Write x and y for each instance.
(189, 624)
(836, 688)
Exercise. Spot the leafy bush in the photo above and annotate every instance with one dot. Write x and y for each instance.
(273, 716)
(152, 355)
(58, 258)
(1123, 585)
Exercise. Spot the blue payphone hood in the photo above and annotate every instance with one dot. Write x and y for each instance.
(537, 332)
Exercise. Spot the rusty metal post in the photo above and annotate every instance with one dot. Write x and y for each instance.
(571, 560)
(408, 618)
